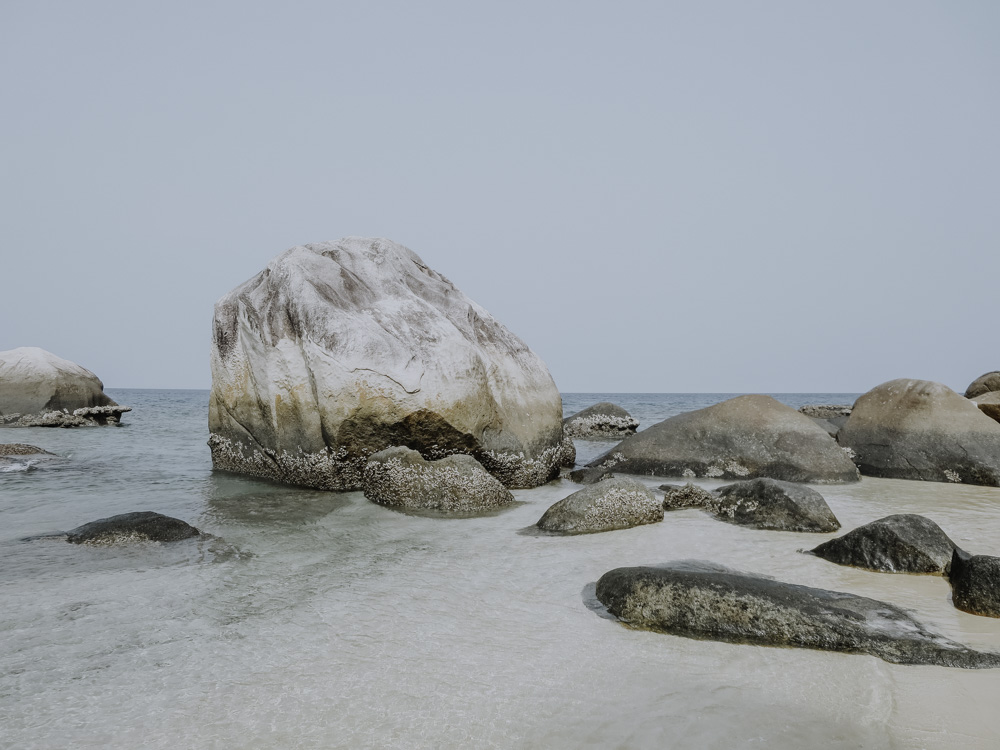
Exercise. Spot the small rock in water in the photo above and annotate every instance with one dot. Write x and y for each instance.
(143, 526)
(616, 503)
(401, 477)
(677, 497)
(701, 600)
(975, 583)
(903, 543)
(772, 504)
(601, 421)
(21, 449)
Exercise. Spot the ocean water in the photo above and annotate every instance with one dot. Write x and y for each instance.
(320, 620)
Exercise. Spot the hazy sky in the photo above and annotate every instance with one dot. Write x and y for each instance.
(665, 196)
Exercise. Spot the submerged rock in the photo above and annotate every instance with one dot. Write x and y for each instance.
(984, 384)
(341, 349)
(401, 477)
(701, 600)
(686, 496)
(766, 503)
(143, 526)
(39, 389)
(975, 583)
(916, 429)
(904, 543)
(742, 438)
(616, 503)
(989, 404)
(21, 449)
(601, 421)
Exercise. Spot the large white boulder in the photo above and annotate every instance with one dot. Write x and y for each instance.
(35, 383)
(338, 350)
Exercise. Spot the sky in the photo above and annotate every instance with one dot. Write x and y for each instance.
(657, 197)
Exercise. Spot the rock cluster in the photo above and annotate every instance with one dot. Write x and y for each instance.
(39, 389)
(339, 350)
(984, 384)
(742, 438)
(989, 404)
(603, 421)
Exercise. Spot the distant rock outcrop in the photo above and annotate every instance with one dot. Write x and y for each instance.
(904, 543)
(742, 438)
(603, 421)
(917, 429)
(143, 526)
(401, 477)
(39, 389)
(339, 350)
(706, 601)
(616, 503)
(984, 384)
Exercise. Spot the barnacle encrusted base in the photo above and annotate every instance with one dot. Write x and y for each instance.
(601, 426)
(401, 477)
(340, 471)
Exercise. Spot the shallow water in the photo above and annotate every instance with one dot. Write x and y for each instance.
(320, 620)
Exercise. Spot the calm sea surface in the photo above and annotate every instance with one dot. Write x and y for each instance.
(320, 620)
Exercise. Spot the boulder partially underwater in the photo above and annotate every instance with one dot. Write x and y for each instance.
(39, 389)
(706, 601)
(742, 438)
(339, 350)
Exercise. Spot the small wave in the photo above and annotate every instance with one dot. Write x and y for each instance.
(18, 466)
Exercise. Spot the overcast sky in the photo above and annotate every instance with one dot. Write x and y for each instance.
(665, 196)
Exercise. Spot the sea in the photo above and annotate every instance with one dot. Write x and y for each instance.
(308, 619)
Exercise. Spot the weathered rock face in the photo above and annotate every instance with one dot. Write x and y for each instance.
(989, 404)
(617, 503)
(601, 421)
(701, 600)
(144, 526)
(742, 438)
(39, 389)
(903, 543)
(772, 504)
(916, 429)
(338, 350)
(975, 583)
(686, 496)
(984, 384)
(401, 477)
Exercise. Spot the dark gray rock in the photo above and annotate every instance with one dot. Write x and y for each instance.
(989, 404)
(701, 600)
(132, 527)
(904, 543)
(984, 384)
(616, 503)
(830, 428)
(975, 583)
(742, 438)
(687, 496)
(601, 421)
(826, 411)
(401, 477)
(916, 429)
(766, 503)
